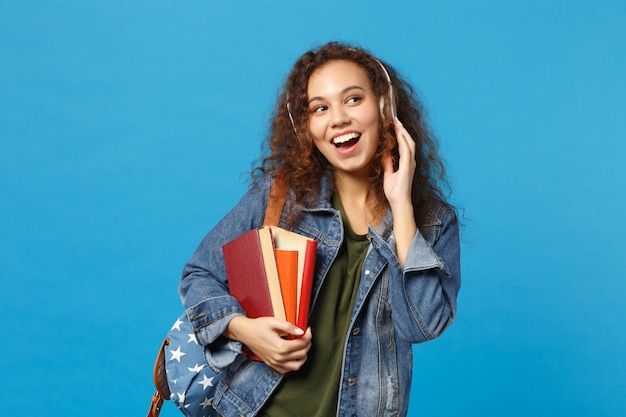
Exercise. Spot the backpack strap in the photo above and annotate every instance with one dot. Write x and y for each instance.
(160, 382)
(276, 202)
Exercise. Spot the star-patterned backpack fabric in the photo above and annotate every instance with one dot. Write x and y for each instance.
(182, 374)
(191, 381)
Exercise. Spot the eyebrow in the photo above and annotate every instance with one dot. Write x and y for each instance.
(344, 91)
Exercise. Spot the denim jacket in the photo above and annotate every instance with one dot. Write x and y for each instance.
(394, 307)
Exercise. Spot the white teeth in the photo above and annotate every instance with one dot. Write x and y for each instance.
(345, 138)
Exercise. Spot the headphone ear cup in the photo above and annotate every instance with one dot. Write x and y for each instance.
(381, 104)
(393, 111)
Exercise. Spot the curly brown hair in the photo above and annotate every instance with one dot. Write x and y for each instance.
(293, 156)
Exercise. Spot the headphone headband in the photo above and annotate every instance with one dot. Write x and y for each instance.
(392, 99)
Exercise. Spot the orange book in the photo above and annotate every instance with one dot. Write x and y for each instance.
(287, 262)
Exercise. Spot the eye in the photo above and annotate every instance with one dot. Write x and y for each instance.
(354, 99)
(319, 108)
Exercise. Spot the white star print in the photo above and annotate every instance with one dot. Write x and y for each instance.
(182, 379)
(196, 368)
(206, 382)
(206, 403)
(177, 325)
(177, 354)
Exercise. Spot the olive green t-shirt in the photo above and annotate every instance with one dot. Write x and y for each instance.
(313, 390)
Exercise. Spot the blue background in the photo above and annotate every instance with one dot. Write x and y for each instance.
(126, 130)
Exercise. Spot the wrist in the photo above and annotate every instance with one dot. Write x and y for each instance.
(402, 209)
(235, 328)
(404, 229)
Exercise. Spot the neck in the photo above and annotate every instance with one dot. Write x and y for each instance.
(352, 187)
(356, 199)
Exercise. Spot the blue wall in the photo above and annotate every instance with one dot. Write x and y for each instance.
(125, 128)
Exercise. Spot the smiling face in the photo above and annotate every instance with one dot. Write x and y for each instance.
(344, 116)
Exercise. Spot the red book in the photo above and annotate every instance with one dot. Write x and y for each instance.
(306, 287)
(247, 280)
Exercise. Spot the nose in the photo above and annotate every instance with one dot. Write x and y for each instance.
(338, 116)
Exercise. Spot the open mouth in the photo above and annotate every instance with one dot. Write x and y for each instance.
(346, 141)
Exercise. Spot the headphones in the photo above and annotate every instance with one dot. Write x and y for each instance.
(391, 97)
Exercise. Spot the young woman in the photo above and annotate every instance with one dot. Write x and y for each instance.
(366, 185)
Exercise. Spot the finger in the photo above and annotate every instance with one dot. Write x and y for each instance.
(294, 356)
(289, 360)
(285, 367)
(406, 144)
(296, 331)
(400, 138)
(295, 359)
(288, 328)
(404, 138)
(295, 365)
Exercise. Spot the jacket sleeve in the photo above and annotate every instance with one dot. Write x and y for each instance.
(430, 282)
(204, 287)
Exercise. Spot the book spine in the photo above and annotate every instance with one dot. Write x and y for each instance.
(307, 284)
(271, 272)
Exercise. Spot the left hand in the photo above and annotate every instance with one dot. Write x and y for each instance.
(397, 185)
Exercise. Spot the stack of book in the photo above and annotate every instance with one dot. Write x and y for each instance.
(270, 272)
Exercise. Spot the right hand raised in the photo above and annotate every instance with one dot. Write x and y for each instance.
(264, 336)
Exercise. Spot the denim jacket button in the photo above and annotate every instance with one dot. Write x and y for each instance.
(351, 382)
(356, 331)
